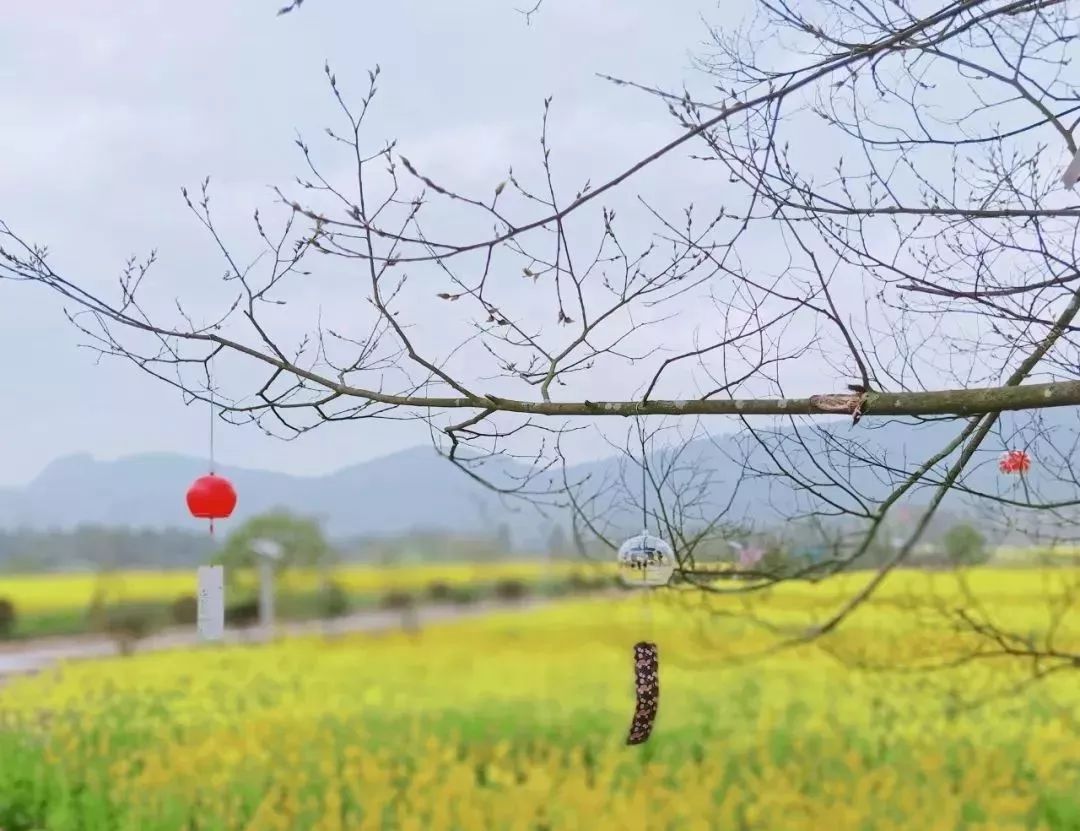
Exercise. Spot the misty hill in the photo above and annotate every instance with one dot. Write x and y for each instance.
(417, 490)
(405, 491)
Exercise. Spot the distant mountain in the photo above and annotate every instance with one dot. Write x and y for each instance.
(413, 489)
(417, 490)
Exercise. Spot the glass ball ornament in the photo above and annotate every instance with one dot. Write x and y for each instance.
(646, 560)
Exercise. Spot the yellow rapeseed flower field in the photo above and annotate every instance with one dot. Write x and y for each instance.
(64, 592)
(517, 721)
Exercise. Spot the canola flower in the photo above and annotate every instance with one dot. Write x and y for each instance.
(36, 593)
(517, 721)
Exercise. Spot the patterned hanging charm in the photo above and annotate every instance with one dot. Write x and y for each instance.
(647, 687)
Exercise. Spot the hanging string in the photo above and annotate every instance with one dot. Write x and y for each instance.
(210, 385)
(644, 491)
(210, 388)
(645, 604)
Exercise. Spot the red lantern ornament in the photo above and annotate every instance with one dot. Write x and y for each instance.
(1015, 461)
(211, 497)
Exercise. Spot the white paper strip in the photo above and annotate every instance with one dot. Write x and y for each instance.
(211, 616)
(1072, 173)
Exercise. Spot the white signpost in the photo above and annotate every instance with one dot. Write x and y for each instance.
(268, 552)
(211, 603)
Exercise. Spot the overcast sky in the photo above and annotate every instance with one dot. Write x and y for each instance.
(111, 106)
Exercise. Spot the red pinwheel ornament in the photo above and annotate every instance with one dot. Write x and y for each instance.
(1014, 461)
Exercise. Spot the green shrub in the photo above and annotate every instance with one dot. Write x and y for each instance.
(185, 611)
(965, 546)
(464, 595)
(440, 592)
(396, 600)
(97, 612)
(511, 590)
(584, 583)
(333, 600)
(242, 614)
(7, 618)
(127, 625)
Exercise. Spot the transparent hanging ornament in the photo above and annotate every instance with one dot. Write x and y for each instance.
(646, 561)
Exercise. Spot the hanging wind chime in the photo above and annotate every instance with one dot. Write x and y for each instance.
(211, 497)
(646, 562)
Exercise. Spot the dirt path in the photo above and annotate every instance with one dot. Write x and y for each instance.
(31, 657)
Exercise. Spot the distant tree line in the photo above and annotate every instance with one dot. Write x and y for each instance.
(94, 547)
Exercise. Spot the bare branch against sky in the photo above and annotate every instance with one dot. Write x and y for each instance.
(851, 211)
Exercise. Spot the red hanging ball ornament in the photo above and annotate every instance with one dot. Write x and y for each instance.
(1015, 461)
(211, 497)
